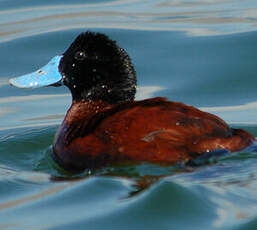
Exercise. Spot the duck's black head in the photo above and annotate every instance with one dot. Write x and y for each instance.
(94, 67)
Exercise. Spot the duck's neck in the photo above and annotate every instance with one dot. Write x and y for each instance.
(80, 119)
(84, 110)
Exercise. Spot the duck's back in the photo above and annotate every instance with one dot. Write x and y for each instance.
(153, 130)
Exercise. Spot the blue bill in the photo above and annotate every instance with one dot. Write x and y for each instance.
(45, 76)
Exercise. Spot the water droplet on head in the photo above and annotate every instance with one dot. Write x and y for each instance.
(73, 65)
(74, 86)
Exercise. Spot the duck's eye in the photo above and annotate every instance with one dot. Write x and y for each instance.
(80, 56)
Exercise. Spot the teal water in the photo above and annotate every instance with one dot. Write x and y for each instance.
(202, 53)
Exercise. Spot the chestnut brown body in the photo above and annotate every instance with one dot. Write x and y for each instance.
(95, 134)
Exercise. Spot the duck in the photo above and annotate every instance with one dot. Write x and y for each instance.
(105, 125)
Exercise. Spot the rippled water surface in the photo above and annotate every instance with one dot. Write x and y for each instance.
(201, 52)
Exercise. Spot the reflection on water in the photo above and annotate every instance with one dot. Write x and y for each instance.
(197, 18)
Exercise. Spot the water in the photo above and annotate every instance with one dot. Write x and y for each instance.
(202, 53)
